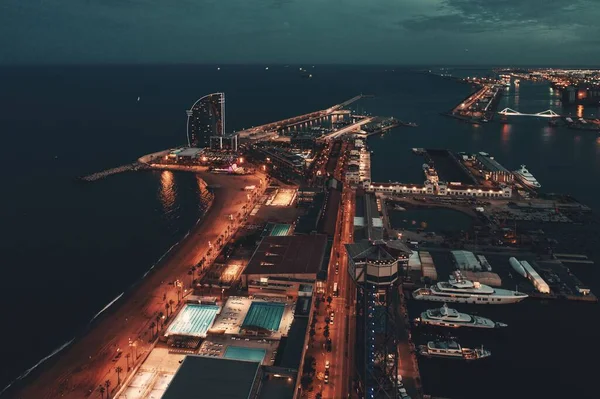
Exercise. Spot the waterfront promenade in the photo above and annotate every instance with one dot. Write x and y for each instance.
(122, 336)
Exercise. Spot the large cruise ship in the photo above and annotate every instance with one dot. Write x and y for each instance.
(457, 289)
(526, 177)
(447, 317)
(452, 349)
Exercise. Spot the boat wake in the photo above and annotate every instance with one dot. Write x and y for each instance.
(28, 371)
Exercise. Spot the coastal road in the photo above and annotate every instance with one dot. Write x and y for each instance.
(91, 360)
(341, 371)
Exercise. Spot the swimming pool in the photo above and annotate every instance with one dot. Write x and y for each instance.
(248, 354)
(193, 320)
(264, 314)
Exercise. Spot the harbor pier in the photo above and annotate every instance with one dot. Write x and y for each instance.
(480, 106)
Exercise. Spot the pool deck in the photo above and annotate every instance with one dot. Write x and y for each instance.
(245, 353)
(216, 346)
(153, 377)
(234, 312)
(267, 315)
(193, 320)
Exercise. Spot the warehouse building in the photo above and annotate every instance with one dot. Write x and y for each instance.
(285, 265)
(492, 170)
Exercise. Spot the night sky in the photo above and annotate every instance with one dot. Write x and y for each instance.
(534, 32)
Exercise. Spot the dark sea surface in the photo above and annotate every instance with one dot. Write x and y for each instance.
(68, 249)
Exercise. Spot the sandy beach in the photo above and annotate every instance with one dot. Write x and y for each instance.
(92, 359)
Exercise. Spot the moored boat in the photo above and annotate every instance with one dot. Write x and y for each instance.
(458, 289)
(453, 350)
(451, 318)
(525, 177)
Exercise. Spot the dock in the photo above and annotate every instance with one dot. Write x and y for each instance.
(577, 123)
(478, 107)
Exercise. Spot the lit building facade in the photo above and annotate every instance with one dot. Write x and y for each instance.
(206, 119)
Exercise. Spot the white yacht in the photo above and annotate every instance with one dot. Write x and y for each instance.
(448, 317)
(457, 289)
(526, 177)
(452, 349)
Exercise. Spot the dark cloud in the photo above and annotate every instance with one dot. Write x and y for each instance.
(476, 16)
(450, 22)
(288, 31)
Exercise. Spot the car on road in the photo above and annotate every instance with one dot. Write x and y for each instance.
(331, 318)
(327, 365)
(326, 378)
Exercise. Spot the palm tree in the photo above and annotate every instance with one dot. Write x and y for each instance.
(161, 317)
(127, 356)
(118, 370)
(107, 385)
(171, 302)
(191, 274)
(157, 318)
(152, 328)
(101, 390)
(167, 308)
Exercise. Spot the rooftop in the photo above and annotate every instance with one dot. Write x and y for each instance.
(365, 250)
(189, 152)
(301, 254)
(293, 345)
(491, 164)
(398, 246)
(465, 258)
(203, 377)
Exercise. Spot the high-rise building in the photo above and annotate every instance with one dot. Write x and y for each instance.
(206, 118)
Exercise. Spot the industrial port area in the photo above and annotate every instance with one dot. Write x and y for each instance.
(316, 286)
(575, 87)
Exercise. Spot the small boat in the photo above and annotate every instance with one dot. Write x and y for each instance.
(451, 318)
(411, 124)
(453, 350)
(139, 98)
(418, 151)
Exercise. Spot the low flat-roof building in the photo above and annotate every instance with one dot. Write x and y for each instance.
(466, 260)
(202, 377)
(492, 169)
(281, 264)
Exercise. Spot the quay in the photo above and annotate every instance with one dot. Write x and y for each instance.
(275, 127)
(383, 125)
(478, 107)
(577, 123)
